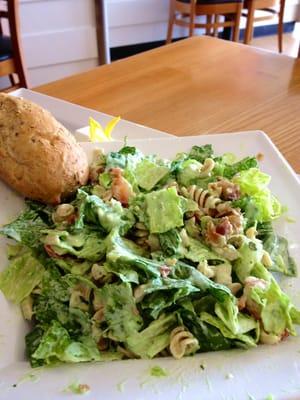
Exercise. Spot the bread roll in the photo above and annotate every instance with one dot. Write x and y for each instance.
(39, 157)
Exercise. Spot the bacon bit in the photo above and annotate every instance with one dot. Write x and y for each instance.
(214, 238)
(224, 227)
(71, 219)
(102, 344)
(285, 334)
(236, 221)
(94, 173)
(164, 271)
(121, 189)
(51, 252)
(232, 193)
(226, 189)
(260, 156)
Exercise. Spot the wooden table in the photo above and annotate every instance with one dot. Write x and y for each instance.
(196, 86)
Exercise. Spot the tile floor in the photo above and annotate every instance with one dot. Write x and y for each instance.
(290, 42)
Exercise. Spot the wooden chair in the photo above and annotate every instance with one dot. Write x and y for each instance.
(11, 54)
(269, 6)
(184, 12)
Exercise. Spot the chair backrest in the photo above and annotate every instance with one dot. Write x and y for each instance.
(9, 10)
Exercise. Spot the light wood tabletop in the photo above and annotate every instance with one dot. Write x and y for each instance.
(197, 86)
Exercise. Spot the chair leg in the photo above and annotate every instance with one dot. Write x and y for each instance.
(192, 18)
(250, 22)
(12, 79)
(171, 21)
(280, 25)
(209, 19)
(215, 33)
(237, 21)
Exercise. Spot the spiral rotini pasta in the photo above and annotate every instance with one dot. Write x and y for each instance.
(103, 193)
(141, 234)
(63, 214)
(201, 196)
(182, 342)
(207, 168)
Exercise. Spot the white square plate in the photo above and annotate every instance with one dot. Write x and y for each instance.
(234, 374)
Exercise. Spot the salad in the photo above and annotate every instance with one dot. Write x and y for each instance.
(152, 258)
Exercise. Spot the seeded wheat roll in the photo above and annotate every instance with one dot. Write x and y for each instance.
(39, 157)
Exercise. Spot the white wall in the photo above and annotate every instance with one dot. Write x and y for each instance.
(59, 36)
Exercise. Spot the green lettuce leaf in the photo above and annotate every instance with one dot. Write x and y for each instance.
(87, 244)
(235, 321)
(32, 341)
(200, 153)
(26, 229)
(22, 275)
(127, 157)
(164, 210)
(148, 174)
(53, 304)
(254, 183)
(244, 340)
(93, 210)
(209, 337)
(120, 312)
(56, 345)
(251, 252)
(125, 259)
(277, 311)
(249, 209)
(200, 281)
(197, 251)
(169, 242)
(278, 248)
(161, 293)
(73, 266)
(153, 339)
(188, 172)
(243, 165)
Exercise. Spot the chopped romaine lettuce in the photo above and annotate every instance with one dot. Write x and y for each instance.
(164, 210)
(277, 247)
(148, 174)
(153, 339)
(200, 153)
(87, 244)
(254, 183)
(189, 171)
(169, 242)
(276, 309)
(22, 275)
(251, 252)
(27, 229)
(119, 309)
(209, 337)
(243, 165)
